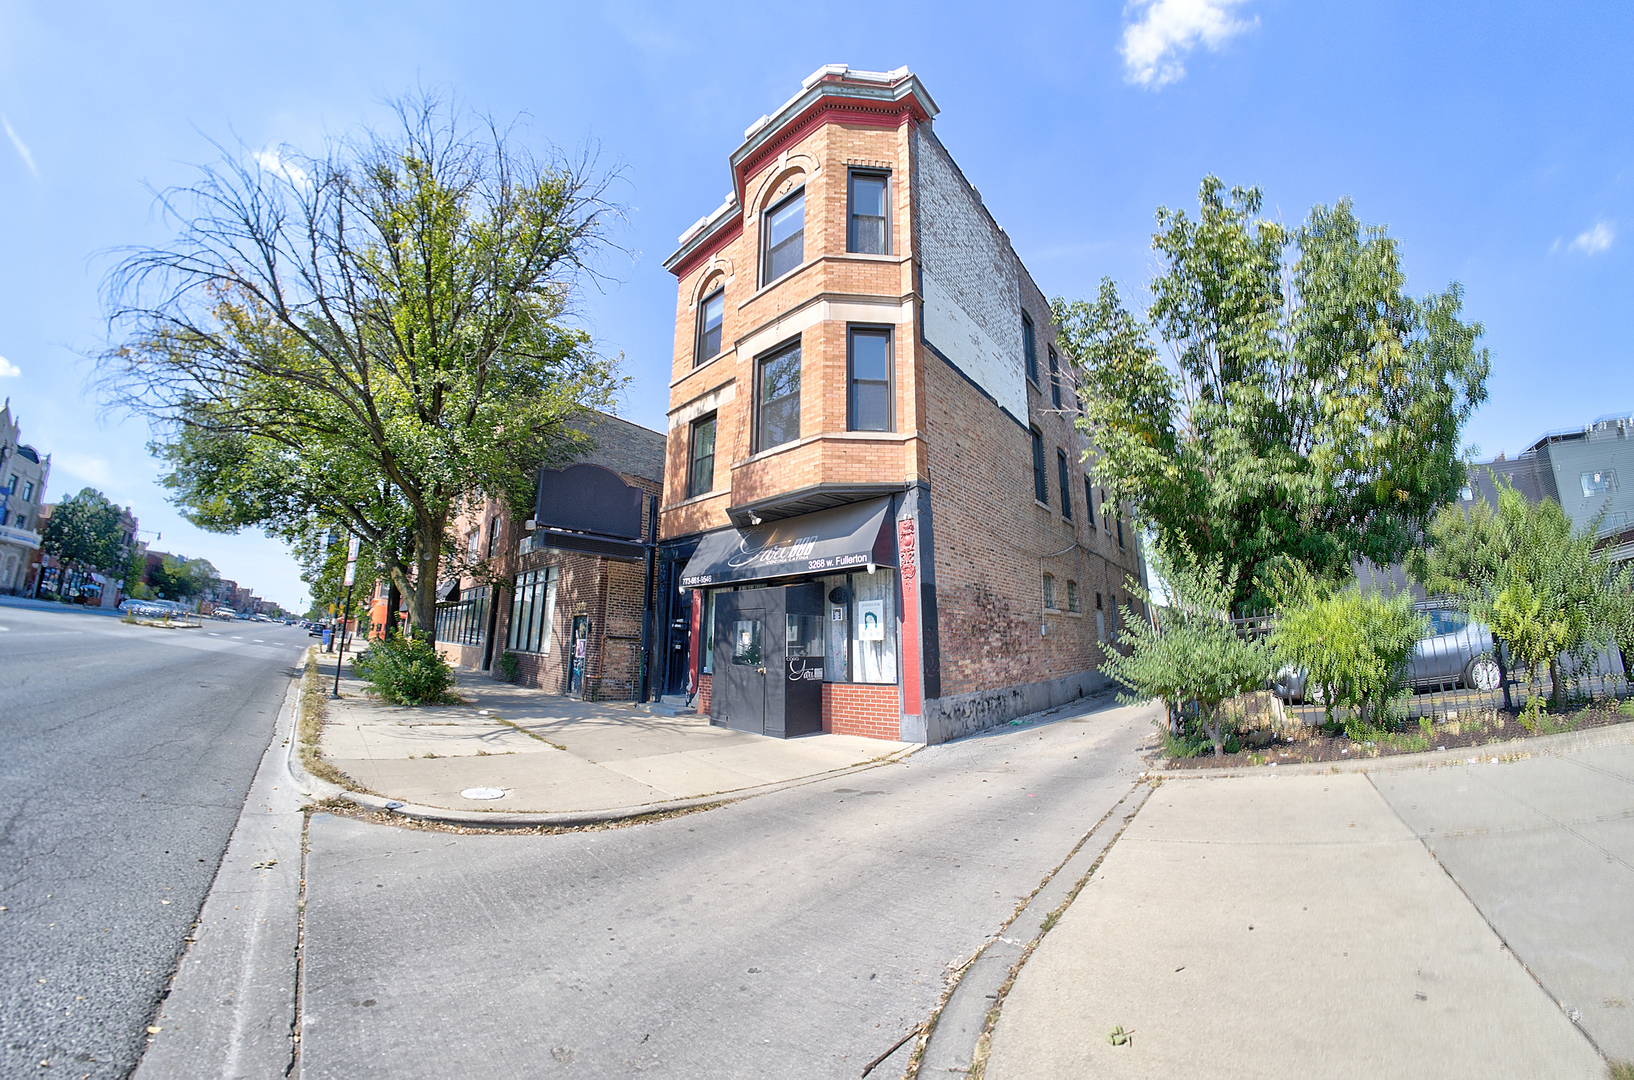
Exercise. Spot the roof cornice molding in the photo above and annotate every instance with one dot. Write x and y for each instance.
(898, 91)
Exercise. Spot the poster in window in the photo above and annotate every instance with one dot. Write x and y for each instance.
(871, 620)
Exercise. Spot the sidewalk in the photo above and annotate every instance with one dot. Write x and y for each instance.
(560, 759)
(1278, 926)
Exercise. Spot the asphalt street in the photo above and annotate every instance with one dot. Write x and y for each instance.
(128, 751)
(799, 933)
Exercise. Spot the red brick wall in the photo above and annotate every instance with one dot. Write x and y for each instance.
(703, 693)
(855, 709)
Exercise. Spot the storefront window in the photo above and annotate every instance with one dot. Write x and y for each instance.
(708, 644)
(873, 627)
(533, 608)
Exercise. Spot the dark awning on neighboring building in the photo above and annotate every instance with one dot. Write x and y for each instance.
(826, 542)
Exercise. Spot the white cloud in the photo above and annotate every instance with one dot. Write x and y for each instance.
(93, 469)
(1167, 30)
(1595, 240)
(273, 161)
(8, 369)
(22, 149)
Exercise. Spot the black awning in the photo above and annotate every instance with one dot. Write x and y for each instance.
(826, 542)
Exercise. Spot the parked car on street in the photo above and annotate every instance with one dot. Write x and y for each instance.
(1454, 652)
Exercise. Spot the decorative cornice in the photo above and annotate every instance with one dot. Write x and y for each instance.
(831, 94)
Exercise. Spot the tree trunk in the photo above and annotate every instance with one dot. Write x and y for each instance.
(1554, 682)
(1214, 734)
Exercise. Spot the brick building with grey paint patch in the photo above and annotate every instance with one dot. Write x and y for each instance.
(877, 517)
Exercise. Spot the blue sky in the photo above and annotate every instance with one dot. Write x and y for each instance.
(1493, 139)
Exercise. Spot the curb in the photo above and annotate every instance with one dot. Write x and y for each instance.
(521, 819)
(971, 1008)
(1565, 742)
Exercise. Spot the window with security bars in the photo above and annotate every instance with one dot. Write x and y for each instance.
(533, 611)
(463, 621)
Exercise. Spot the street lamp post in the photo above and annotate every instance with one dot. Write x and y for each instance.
(346, 608)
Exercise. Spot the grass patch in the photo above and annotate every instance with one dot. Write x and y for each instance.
(314, 708)
(1621, 1070)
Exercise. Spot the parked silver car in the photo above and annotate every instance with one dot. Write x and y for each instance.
(1454, 652)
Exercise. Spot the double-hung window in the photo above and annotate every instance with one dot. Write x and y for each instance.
(777, 381)
(1029, 349)
(868, 228)
(1055, 377)
(710, 313)
(1041, 487)
(1089, 504)
(701, 468)
(785, 232)
(1066, 492)
(868, 371)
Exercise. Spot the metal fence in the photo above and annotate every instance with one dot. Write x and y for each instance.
(1457, 671)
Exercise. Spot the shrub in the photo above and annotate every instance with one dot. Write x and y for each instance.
(406, 670)
(509, 666)
(1191, 652)
(1353, 645)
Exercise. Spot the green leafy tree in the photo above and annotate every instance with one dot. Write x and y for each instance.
(1309, 408)
(1548, 590)
(358, 341)
(86, 533)
(1353, 646)
(1190, 652)
(180, 578)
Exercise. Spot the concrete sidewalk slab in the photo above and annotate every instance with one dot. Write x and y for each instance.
(404, 741)
(554, 755)
(1278, 926)
(1545, 849)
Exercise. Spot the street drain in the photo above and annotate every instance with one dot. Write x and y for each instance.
(483, 793)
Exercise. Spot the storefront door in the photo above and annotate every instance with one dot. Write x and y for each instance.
(766, 679)
(580, 642)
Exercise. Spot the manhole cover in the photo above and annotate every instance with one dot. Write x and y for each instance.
(483, 793)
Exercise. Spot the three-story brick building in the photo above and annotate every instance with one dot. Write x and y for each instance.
(876, 516)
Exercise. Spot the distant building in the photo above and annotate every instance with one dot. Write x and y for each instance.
(1582, 470)
(23, 477)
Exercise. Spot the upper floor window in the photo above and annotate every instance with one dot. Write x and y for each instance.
(28, 491)
(13, 486)
(778, 384)
(869, 376)
(1049, 592)
(1072, 596)
(1066, 492)
(701, 469)
(493, 536)
(1055, 378)
(1029, 350)
(1120, 531)
(1089, 504)
(710, 313)
(785, 233)
(1041, 488)
(868, 230)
